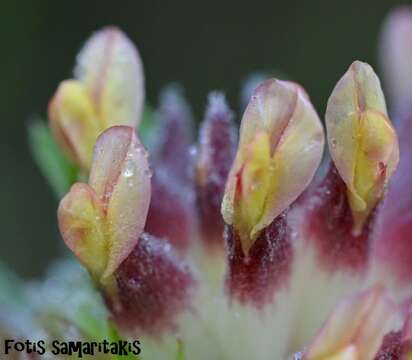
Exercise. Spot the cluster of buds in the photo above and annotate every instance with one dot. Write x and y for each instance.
(103, 221)
(295, 245)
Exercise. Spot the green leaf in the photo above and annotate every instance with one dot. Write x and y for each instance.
(180, 351)
(58, 171)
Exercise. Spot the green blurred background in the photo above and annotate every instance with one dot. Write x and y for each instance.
(204, 45)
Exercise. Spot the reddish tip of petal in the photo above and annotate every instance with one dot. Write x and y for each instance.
(154, 287)
(254, 279)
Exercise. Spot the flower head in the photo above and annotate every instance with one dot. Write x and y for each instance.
(314, 267)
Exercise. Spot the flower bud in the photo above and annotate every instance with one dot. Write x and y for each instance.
(110, 68)
(356, 327)
(108, 90)
(217, 148)
(280, 148)
(101, 221)
(362, 141)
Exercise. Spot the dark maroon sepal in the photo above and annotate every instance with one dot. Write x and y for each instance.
(216, 151)
(254, 279)
(175, 135)
(392, 347)
(172, 211)
(327, 222)
(153, 287)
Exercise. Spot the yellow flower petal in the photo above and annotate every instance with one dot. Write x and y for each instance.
(280, 148)
(362, 141)
(74, 122)
(82, 226)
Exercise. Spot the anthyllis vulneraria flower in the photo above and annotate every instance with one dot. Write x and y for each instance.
(244, 245)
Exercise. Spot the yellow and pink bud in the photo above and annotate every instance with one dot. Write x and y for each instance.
(280, 147)
(362, 141)
(108, 90)
(101, 221)
(356, 328)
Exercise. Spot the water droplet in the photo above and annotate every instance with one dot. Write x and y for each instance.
(128, 172)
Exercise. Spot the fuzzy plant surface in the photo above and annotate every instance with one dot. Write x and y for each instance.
(288, 237)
